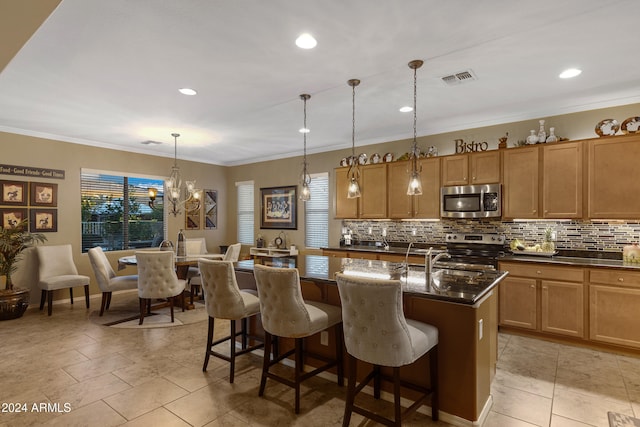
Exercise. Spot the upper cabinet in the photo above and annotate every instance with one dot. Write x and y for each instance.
(373, 188)
(345, 207)
(520, 172)
(401, 205)
(473, 168)
(614, 177)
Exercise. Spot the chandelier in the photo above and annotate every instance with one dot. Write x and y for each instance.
(353, 190)
(189, 196)
(415, 184)
(305, 178)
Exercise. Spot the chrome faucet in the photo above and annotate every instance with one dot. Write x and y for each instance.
(429, 261)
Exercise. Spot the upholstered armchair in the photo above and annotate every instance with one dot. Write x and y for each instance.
(108, 281)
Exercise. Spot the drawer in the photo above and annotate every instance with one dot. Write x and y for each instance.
(543, 271)
(614, 277)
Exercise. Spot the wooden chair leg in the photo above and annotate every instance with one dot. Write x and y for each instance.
(108, 301)
(209, 344)
(143, 304)
(339, 353)
(244, 329)
(43, 297)
(50, 302)
(299, 366)
(376, 382)
(351, 389)
(232, 352)
(182, 300)
(103, 305)
(86, 295)
(433, 367)
(171, 307)
(71, 295)
(265, 362)
(396, 396)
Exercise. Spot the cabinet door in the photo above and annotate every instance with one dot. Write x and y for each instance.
(455, 170)
(373, 189)
(562, 308)
(562, 175)
(613, 315)
(521, 182)
(614, 178)
(484, 167)
(427, 205)
(400, 204)
(518, 302)
(345, 207)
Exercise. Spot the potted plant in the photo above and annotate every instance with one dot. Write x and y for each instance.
(13, 240)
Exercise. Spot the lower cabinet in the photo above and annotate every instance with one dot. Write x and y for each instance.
(543, 298)
(614, 303)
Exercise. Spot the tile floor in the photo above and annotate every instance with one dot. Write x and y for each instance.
(139, 377)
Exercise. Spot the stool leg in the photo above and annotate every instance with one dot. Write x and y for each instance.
(232, 353)
(43, 297)
(108, 301)
(143, 304)
(265, 362)
(339, 353)
(105, 297)
(299, 366)
(86, 295)
(396, 396)
(433, 366)
(209, 343)
(50, 302)
(351, 389)
(376, 381)
(244, 332)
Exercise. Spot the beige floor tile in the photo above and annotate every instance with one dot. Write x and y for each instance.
(495, 419)
(144, 398)
(587, 409)
(86, 392)
(98, 366)
(157, 417)
(610, 387)
(521, 405)
(558, 421)
(532, 383)
(97, 412)
(588, 361)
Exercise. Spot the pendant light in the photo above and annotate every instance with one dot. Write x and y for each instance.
(353, 191)
(415, 185)
(176, 195)
(305, 179)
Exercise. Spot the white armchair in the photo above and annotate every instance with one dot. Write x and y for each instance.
(108, 281)
(57, 270)
(157, 279)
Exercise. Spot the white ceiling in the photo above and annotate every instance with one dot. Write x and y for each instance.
(106, 73)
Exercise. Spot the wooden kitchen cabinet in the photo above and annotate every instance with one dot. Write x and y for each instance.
(372, 203)
(614, 177)
(562, 176)
(543, 298)
(521, 176)
(403, 206)
(614, 298)
(481, 167)
(345, 207)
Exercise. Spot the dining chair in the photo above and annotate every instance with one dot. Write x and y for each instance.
(57, 270)
(286, 314)
(225, 300)
(195, 282)
(377, 332)
(157, 278)
(108, 280)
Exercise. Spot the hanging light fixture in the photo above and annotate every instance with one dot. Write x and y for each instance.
(415, 184)
(175, 193)
(353, 191)
(305, 178)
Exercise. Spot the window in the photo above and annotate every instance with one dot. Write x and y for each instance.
(116, 213)
(316, 212)
(245, 212)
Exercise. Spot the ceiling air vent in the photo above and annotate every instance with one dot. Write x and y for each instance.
(459, 78)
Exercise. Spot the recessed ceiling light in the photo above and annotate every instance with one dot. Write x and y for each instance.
(306, 41)
(187, 91)
(406, 109)
(569, 73)
(304, 130)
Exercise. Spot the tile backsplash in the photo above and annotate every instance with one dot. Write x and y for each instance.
(576, 235)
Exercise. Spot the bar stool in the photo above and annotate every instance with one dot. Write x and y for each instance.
(377, 332)
(225, 300)
(286, 314)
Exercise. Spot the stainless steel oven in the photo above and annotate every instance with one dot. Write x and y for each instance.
(474, 251)
(471, 201)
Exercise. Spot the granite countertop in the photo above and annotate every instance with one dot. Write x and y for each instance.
(577, 261)
(456, 286)
(394, 248)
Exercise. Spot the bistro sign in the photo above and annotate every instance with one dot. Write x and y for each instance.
(31, 171)
(470, 147)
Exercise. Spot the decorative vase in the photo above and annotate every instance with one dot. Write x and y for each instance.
(13, 303)
(533, 138)
(542, 135)
(552, 136)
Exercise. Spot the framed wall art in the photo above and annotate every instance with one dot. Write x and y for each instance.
(11, 217)
(279, 208)
(192, 215)
(210, 209)
(43, 194)
(13, 193)
(43, 220)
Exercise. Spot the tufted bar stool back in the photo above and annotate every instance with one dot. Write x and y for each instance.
(57, 270)
(377, 332)
(108, 281)
(225, 300)
(157, 278)
(286, 314)
(233, 252)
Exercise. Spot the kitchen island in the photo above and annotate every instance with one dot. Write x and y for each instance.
(467, 323)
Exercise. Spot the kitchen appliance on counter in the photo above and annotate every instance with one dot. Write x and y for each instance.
(474, 251)
(471, 201)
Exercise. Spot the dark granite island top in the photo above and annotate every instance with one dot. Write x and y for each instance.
(467, 324)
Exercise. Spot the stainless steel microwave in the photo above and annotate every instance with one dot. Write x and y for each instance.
(471, 201)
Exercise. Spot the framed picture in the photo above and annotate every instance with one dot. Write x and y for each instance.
(13, 193)
(192, 215)
(43, 220)
(44, 194)
(210, 209)
(279, 208)
(11, 217)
